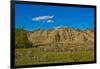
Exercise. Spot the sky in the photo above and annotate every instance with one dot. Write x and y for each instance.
(32, 17)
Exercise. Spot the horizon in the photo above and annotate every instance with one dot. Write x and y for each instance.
(47, 17)
(54, 28)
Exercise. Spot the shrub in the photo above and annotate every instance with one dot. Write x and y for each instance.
(21, 40)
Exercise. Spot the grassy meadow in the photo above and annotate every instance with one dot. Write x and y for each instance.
(30, 56)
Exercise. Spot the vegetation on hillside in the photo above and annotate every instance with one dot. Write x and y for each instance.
(21, 39)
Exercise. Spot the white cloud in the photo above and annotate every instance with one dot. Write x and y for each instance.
(50, 21)
(47, 19)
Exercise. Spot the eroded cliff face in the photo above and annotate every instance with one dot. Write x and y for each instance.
(61, 35)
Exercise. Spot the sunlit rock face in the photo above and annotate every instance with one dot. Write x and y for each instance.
(61, 35)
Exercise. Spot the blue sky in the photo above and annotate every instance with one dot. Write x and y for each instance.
(32, 17)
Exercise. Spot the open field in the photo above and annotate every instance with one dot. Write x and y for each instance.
(29, 56)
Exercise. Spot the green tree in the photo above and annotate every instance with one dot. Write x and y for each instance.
(21, 40)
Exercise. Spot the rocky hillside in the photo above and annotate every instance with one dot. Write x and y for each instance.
(61, 35)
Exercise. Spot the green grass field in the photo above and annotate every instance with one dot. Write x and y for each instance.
(30, 56)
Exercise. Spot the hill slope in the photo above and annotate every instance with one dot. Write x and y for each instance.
(61, 35)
